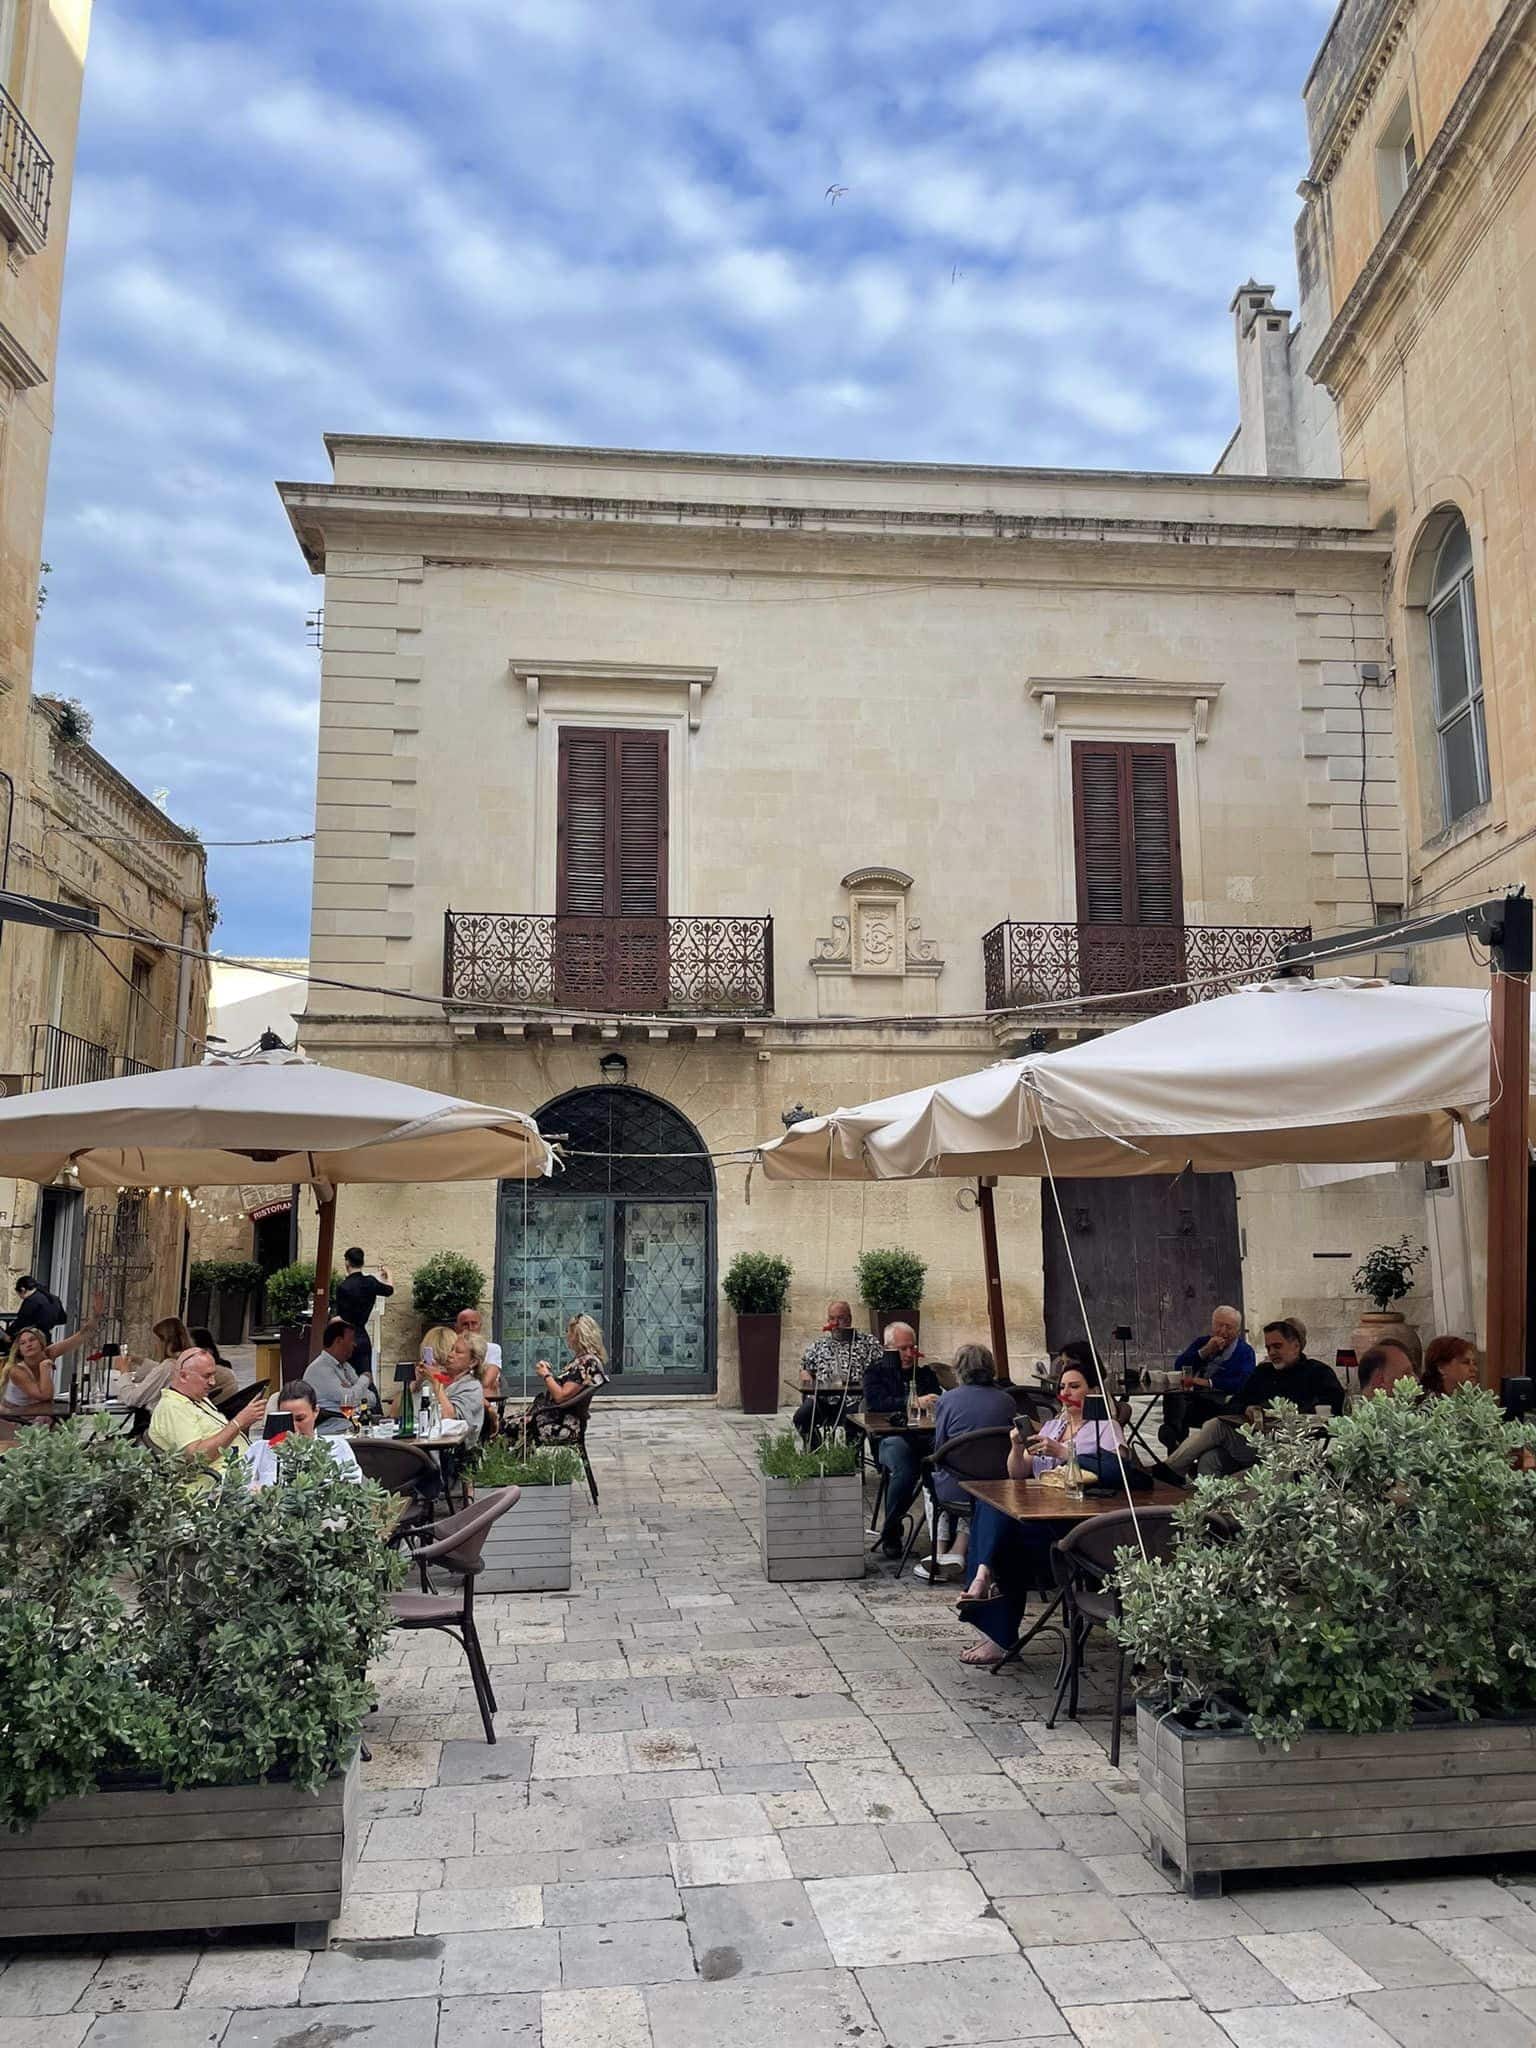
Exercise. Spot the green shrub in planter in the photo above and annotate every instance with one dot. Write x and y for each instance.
(757, 1284)
(891, 1279)
(444, 1284)
(203, 1275)
(780, 1457)
(290, 1290)
(239, 1276)
(208, 1637)
(1350, 1580)
(499, 1465)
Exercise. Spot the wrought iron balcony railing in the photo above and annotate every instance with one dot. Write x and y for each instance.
(649, 966)
(1151, 967)
(26, 171)
(62, 1059)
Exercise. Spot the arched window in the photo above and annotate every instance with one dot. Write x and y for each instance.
(1458, 679)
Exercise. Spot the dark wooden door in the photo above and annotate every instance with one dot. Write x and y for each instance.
(611, 870)
(1154, 1253)
(1130, 884)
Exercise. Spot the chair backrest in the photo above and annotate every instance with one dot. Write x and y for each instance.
(979, 1454)
(1092, 1544)
(460, 1538)
(579, 1410)
(231, 1405)
(395, 1466)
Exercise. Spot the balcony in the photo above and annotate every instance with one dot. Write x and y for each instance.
(61, 1059)
(26, 179)
(1145, 966)
(628, 966)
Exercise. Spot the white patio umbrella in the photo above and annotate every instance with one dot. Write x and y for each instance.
(1290, 1072)
(295, 1121)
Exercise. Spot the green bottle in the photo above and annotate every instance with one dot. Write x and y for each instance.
(407, 1411)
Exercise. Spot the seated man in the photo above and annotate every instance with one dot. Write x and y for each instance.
(834, 1362)
(186, 1424)
(1288, 1375)
(1384, 1365)
(336, 1387)
(297, 1402)
(887, 1390)
(1218, 1365)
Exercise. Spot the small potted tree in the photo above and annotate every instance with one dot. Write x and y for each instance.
(757, 1287)
(185, 1672)
(444, 1284)
(290, 1295)
(891, 1287)
(1335, 1663)
(529, 1550)
(812, 1524)
(235, 1281)
(202, 1278)
(1385, 1276)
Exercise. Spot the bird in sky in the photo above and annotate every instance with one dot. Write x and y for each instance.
(835, 192)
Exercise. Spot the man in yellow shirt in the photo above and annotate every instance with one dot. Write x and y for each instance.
(186, 1423)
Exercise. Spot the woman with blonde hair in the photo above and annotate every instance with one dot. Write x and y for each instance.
(26, 1379)
(453, 1366)
(543, 1422)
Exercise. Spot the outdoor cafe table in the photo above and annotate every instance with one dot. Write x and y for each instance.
(1031, 1500)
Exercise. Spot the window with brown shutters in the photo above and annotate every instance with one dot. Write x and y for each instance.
(1130, 888)
(611, 869)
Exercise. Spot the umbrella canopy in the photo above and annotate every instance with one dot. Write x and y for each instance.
(267, 1117)
(1290, 1072)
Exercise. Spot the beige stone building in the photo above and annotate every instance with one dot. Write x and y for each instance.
(1412, 366)
(88, 1009)
(666, 794)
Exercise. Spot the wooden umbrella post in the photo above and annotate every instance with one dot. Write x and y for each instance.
(1509, 1143)
(325, 1255)
(996, 1315)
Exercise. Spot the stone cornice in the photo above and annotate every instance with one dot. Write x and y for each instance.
(375, 508)
(1362, 90)
(17, 368)
(1423, 209)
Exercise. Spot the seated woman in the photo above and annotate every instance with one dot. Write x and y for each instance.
(26, 1379)
(149, 1378)
(542, 1422)
(297, 1402)
(1012, 1558)
(977, 1402)
(1449, 1363)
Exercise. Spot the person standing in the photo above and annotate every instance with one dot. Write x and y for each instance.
(356, 1295)
(39, 1309)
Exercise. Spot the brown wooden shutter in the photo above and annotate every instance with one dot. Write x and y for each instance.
(1126, 825)
(641, 824)
(611, 941)
(582, 837)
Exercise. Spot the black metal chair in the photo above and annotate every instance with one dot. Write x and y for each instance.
(979, 1454)
(404, 1469)
(1084, 1566)
(456, 1545)
(580, 1411)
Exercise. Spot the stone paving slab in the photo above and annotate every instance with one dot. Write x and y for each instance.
(723, 1814)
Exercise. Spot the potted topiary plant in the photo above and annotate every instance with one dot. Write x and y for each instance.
(185, 1673)
(236, 1280)
(529, 1550)
(812, 1521)
(757, 1287)
(1335, 1663)
(444, 1284)
(202, 1278)
(891, 1287)
(1385, 1276)
(290, 1295)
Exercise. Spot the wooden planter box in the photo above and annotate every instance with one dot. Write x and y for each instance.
(814, 1531)
(529, 1549)
(144, 1860)
(1217, 1802)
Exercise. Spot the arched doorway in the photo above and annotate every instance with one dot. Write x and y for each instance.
(626, 1232)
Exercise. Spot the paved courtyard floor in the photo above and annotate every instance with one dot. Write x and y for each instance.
(724, 1814)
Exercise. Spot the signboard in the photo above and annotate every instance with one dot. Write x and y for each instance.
(266, 1209)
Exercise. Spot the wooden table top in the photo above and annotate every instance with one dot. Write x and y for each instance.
(882, 1425)
(1030, 1500)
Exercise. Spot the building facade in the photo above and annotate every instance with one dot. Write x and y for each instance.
(668, 795)
(93, 1009)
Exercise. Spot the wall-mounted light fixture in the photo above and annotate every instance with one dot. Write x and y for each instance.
(614, 1068)
(797, 1113)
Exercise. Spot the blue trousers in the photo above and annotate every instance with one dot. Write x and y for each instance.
(897, 1459)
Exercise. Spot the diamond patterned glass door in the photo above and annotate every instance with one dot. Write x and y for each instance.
(662, 1253)
(560, 1271)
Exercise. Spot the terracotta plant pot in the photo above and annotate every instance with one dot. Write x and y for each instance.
(757, 1346)
(1386, 1323)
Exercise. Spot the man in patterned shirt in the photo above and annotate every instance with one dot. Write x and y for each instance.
(837, 1359)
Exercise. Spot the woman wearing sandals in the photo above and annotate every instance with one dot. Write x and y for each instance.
(1013, 1558)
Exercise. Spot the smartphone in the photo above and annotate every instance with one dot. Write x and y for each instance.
(428, 1355)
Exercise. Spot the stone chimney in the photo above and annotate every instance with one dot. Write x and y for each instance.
(1267, 435)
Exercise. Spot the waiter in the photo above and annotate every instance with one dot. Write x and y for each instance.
(354, 1302)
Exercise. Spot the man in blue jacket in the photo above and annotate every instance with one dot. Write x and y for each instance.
(1219, 1365)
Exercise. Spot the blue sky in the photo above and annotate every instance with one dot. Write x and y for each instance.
(606, 221)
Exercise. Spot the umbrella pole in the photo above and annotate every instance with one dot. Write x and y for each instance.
(1508, 1173)
(325, 1256)
(996, 1317)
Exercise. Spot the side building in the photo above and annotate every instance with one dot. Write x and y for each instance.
(670, 795)
(85, 1009)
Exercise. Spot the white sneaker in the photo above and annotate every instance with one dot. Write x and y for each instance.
(929, 1578)
(951, 1557)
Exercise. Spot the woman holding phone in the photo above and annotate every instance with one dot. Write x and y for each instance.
(542, 1422)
